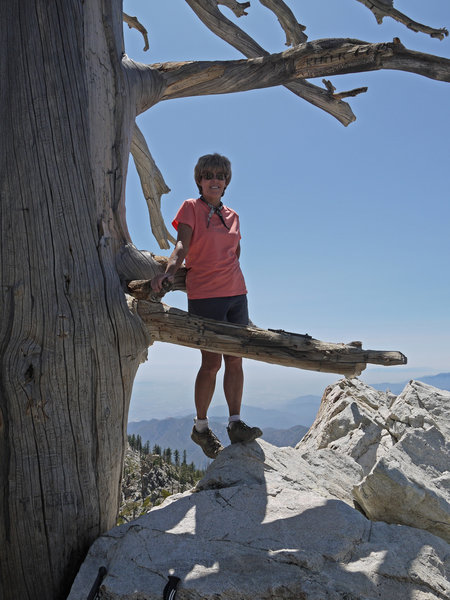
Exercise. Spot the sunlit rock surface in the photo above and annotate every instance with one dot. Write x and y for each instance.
(403, 445)
(359, 510)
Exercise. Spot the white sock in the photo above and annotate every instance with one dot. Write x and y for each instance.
(234, 418)
(201, 424)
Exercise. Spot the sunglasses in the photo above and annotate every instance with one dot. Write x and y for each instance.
(208, 175)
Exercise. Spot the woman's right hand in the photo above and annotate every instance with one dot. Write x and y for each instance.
(176, 258)
(157, 281)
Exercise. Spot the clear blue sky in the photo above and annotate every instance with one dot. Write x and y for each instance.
(345, 230)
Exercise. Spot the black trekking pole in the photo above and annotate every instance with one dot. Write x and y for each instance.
(170, 590)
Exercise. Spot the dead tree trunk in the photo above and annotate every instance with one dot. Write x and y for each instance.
(69, 346)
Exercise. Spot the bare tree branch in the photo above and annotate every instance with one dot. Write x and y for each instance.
(313, 59)
(385, 8)
(167, 324)
(141, 289)
(153, 187)
(351, 93)
(133, 264)
(293, 29)
(133, 23)
(237, 7)
(210, 15)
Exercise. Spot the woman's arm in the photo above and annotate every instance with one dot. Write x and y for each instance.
(176, 258)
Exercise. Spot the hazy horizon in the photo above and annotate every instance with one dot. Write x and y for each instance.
(162, 391)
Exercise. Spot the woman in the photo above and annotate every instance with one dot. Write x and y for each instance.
(209, 240)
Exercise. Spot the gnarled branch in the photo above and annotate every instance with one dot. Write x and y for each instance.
(210, 15)
(351, 93)
(313, 59)
(133, 23)
(385, 8)
(237, 7)
(153, 187)
(292, 28)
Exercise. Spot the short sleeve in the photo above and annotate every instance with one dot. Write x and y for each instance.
(185, 214)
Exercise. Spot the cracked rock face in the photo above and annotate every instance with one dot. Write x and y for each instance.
(402, 444)
(282, 523)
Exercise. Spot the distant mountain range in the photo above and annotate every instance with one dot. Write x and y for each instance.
(283, 415)
(304, 408)
(284, 425)
(176, 434)
(441, 381)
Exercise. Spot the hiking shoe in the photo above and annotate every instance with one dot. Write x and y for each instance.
(208, 442)
(238, 431)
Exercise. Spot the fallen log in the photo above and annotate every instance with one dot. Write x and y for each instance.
(174, 326)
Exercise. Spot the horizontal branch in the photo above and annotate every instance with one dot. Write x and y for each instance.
(171, 325)
(313, 59)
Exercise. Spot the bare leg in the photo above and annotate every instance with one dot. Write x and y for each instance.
(233, 383)
(206, 382)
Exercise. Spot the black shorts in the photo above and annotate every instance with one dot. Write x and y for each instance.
(231, 309)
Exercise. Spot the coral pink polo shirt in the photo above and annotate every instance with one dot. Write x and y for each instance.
(212, 264)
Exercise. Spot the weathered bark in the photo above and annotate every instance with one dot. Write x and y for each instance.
(167, 324)
(313, 59)
(69, 346)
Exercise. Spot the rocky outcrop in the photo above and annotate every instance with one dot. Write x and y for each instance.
(401, 443)
(359, 510)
